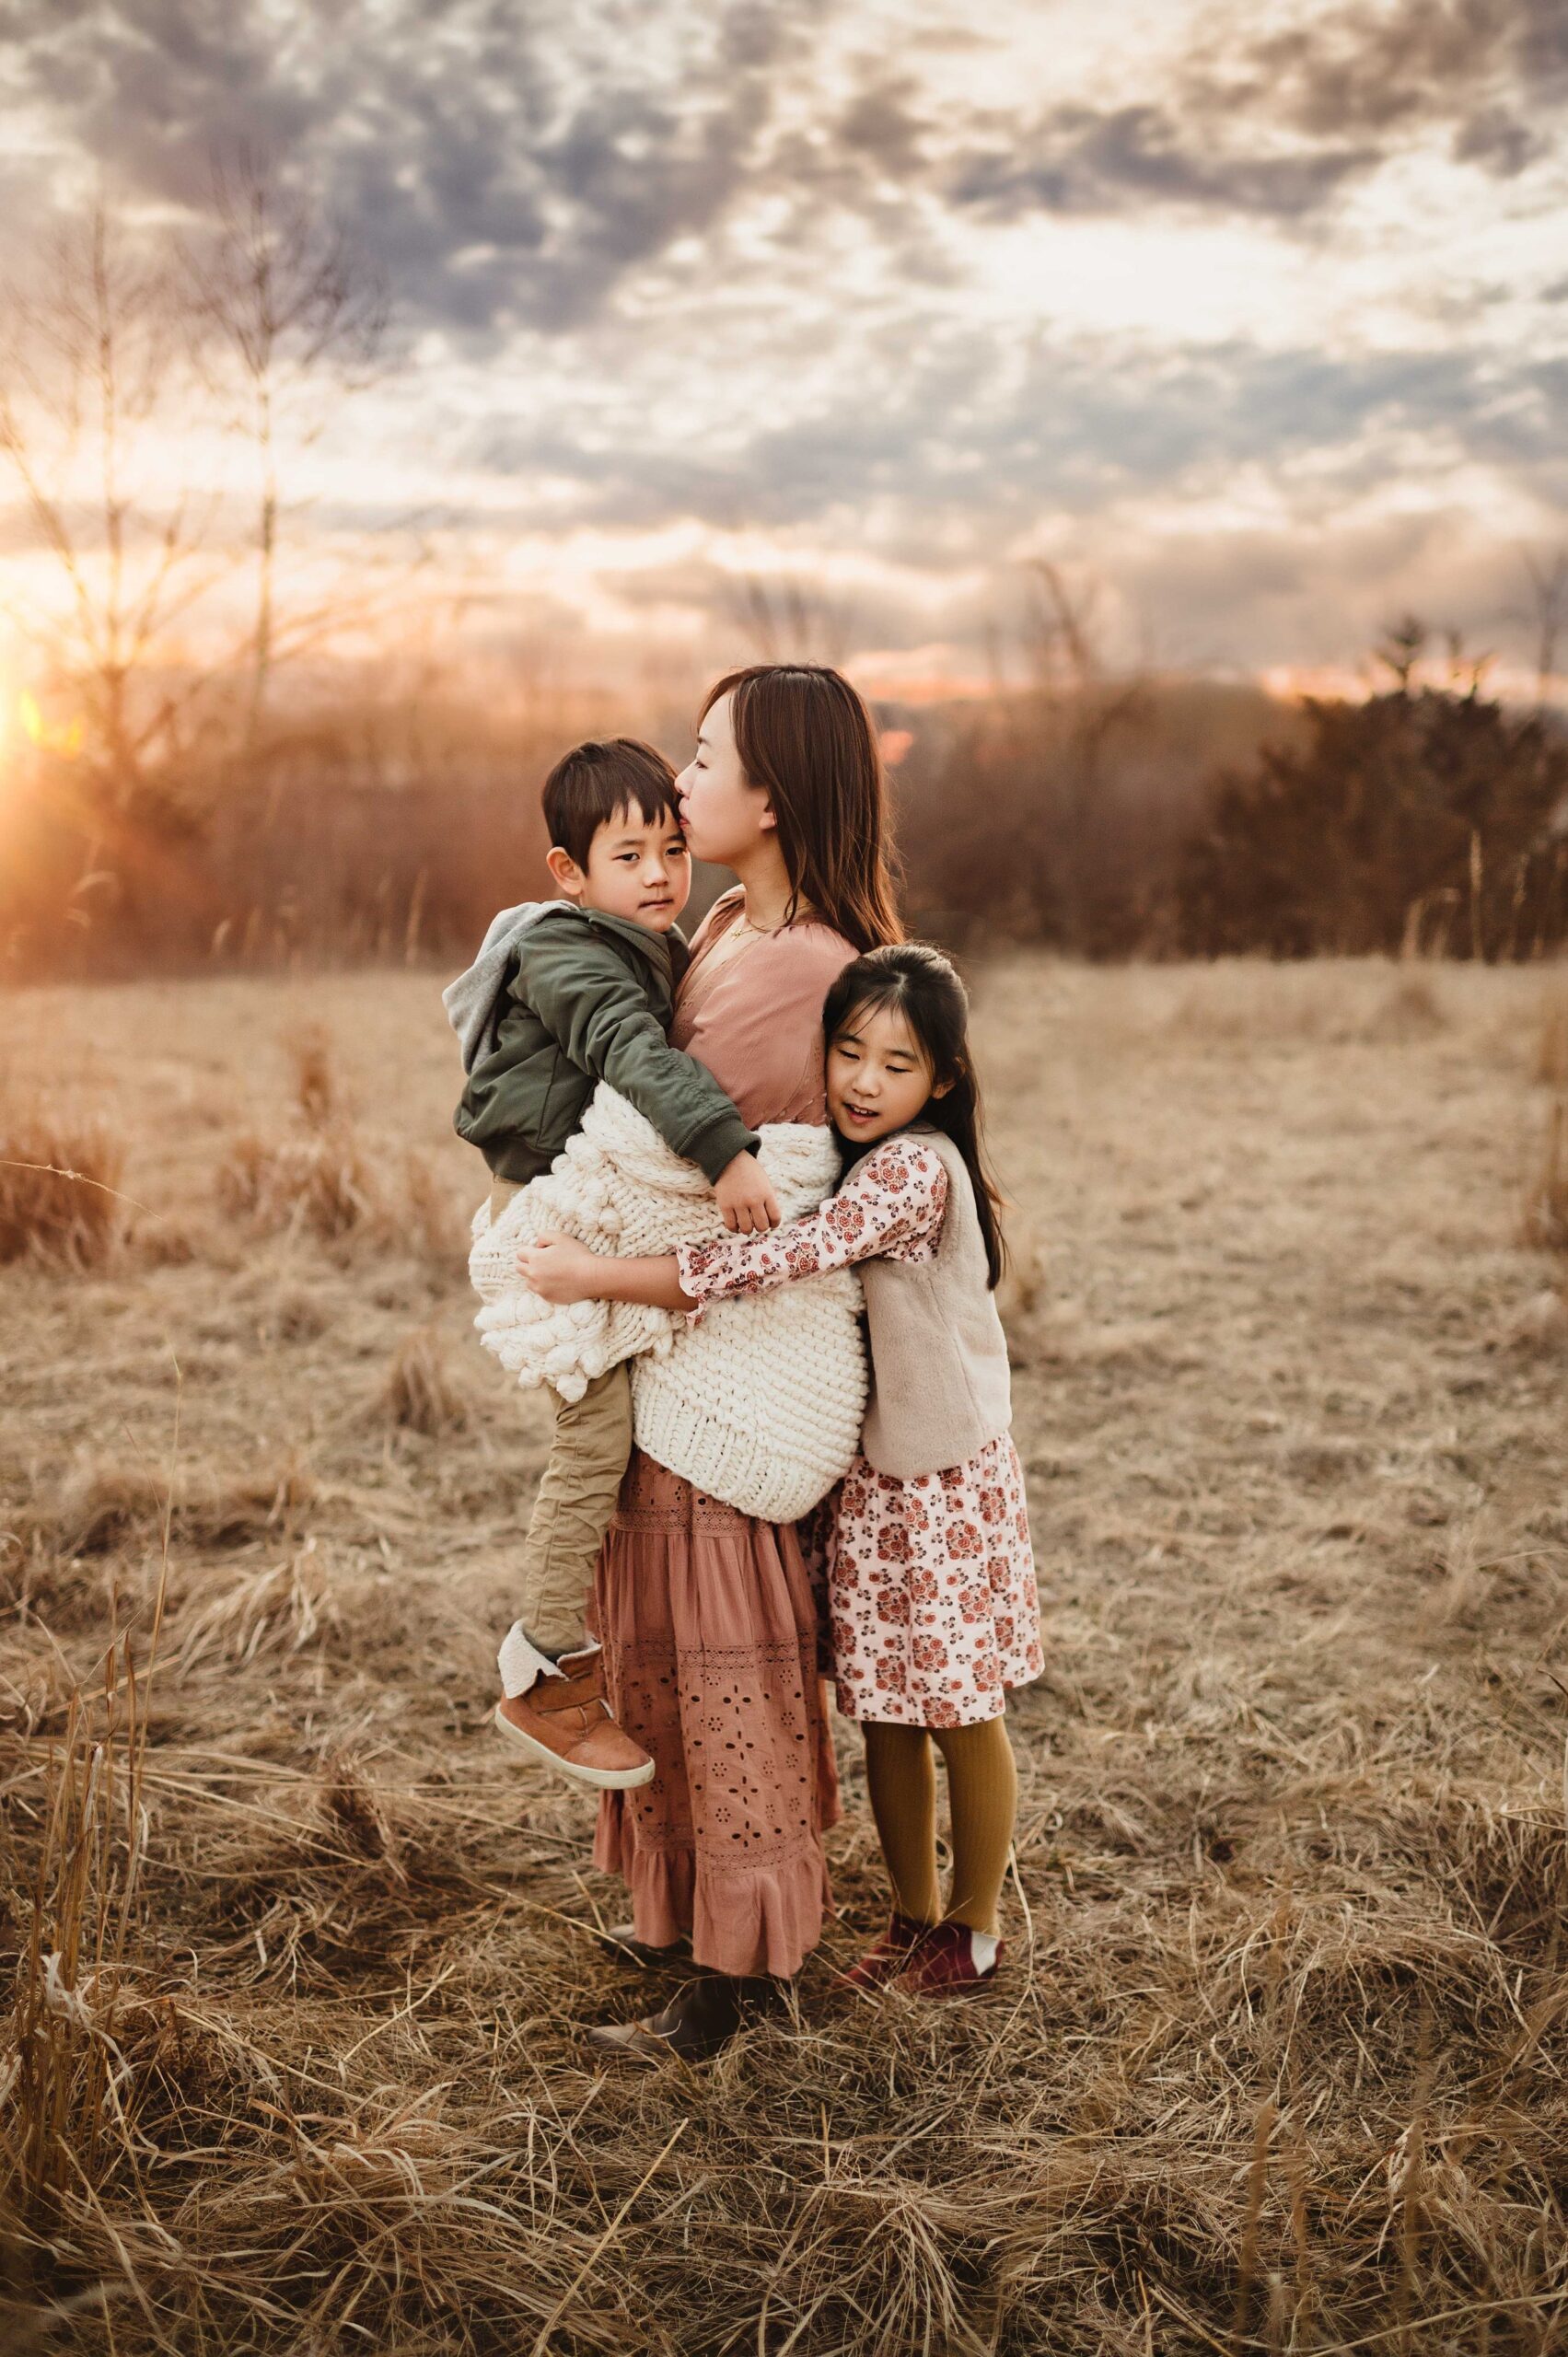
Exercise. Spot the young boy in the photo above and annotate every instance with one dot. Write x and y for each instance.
(565, 993)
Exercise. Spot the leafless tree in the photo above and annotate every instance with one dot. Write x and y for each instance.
(786, 619)
(1402, 648)
(295, 319)
(1546, 612)
(1076, 709)
(90, 369)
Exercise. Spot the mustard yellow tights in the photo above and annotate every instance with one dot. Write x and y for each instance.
(982, 1798)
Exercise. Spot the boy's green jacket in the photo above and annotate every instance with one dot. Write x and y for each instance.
(585, 997)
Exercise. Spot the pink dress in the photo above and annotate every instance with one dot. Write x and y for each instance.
(708, 1619)
(934, 1608)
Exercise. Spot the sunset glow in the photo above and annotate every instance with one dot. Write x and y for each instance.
(870, 301)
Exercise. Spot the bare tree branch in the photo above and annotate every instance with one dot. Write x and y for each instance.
(1546, 613)
(299, 321)
(89, 384)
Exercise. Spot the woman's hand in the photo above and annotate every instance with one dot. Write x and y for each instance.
(560, 1268)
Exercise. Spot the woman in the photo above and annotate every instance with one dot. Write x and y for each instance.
(707, 1618)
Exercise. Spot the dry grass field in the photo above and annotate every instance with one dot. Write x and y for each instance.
(1277, 2061)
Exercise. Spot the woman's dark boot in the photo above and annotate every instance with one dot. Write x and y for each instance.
(622, 1938)
(698, 2021)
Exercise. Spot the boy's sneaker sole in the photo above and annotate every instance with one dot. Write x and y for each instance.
(601, 1780)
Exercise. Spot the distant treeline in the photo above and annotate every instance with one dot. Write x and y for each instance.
(1145, 818)
(1425, 819)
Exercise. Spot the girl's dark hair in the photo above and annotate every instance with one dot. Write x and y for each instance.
(918, 983)
(803, 735)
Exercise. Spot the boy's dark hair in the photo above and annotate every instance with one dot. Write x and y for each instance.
(919, 983)
(603, 779)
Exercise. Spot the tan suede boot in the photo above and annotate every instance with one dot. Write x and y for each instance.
(564, 1722)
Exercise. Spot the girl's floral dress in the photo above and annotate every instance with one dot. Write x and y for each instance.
(932, 1607)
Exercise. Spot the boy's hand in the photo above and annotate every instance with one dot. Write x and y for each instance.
(560, 1268)
(745, 1197)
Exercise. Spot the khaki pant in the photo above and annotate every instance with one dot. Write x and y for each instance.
(576, 1498)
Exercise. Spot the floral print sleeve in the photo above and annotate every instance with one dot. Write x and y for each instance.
(890, 1207)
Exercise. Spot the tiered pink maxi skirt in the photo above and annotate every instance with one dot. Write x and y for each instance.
(709, 1624)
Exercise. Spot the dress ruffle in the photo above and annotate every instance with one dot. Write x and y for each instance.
(710, 1632)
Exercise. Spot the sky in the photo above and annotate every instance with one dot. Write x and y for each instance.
(1253, 318)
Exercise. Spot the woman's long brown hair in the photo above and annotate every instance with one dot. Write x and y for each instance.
(803, 735)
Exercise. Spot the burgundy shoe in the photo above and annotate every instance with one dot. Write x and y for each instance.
(564, 1721)
(892, 1951)
(943, 1964)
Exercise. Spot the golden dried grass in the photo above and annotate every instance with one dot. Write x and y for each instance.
(278, 1605)
(108, 1501)
(317, 1174)
(420, 1393)
(60, 1199)
(1542, 1323)
(321, 1183)
(1544, 1225)
(1551, 1041)
(1276, 2063)
(428, 1217)
(1412, 1010)
(317, 1089)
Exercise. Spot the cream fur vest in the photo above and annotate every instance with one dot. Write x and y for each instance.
(760, 1402)
(940, 1382)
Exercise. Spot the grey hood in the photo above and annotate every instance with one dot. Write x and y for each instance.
(473, 1001)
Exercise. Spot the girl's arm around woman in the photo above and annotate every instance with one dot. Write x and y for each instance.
(891, 1206)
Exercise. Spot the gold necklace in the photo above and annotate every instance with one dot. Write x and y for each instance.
(762, 932)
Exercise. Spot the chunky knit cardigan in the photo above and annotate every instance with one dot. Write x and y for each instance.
(760, 1402)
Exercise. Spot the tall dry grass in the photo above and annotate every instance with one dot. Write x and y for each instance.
(1544, 1217)
(60, 1198)
(421, 1393)
(84, 2009)
(301, 1964)
(317, 1174)
(1545, 1197)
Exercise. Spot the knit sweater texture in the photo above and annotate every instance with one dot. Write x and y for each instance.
(760, 1402)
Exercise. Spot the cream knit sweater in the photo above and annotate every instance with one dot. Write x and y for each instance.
(759, 1404)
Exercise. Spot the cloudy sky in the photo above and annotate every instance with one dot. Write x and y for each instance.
(1257, 315)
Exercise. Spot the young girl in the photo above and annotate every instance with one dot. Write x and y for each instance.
(931, 1581)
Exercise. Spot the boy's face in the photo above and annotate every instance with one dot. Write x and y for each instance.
(635, 869)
